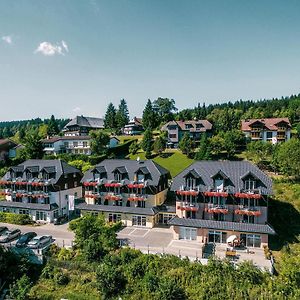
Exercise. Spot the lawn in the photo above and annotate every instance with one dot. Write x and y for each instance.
(172, 160)
(284, 214)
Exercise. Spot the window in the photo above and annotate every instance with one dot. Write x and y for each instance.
(248, 219)
(23, 211)
(172, 135)
(216, 236)
(219, 217)
(66, 186)
(66, 144)
(140, 177)
(269, 134)
(46, 176)
(190, 182)
(249, 184)
(139, 221)
(113, 218)
(41, 216)
(219, 184)
(251, 240)
(141, 204)
(84, 144)
(75, 183)
(74, 175)
(75, 144)
(188, 126)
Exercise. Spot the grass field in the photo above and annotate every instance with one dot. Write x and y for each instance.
(173, 160)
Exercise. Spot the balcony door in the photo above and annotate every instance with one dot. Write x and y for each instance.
(139, 221)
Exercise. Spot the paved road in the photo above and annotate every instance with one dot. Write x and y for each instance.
(60, 233)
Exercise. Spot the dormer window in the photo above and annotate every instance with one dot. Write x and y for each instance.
(250, 184)
(219, 180)
(192, 179)
(219, 184)
(142, 174)
(188, 126)
(250, 181)
(120, 173)
(99, 173)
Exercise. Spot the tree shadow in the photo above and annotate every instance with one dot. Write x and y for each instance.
(285, 219)
(166, 154)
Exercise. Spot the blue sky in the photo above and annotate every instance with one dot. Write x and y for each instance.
(68, 57)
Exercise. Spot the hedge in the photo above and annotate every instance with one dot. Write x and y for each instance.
(17, 219)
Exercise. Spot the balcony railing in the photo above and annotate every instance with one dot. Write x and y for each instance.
(113, 197)
(188, 191)
(188, 207)
(217, 209)
(137, 197)
(247, 210)
(250, 194)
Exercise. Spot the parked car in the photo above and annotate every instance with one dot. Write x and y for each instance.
(60, 220)
(40, 241)
(9, 235)
(25, 239)
(3, 228)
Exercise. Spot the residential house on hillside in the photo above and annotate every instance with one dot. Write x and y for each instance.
(134, 127)
(6, 149)
(79, 144)
(42, 189)
(272, 130)
(177, 129)
(129, 191)
(81, 125)
(219, 199)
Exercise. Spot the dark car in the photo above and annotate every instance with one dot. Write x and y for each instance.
(60, 220)
(3, 228)
(25, 239)
(9, 235)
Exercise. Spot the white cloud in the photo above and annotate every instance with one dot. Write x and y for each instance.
(65, 46)
(76, 109)
(7, 39)
(49, 49)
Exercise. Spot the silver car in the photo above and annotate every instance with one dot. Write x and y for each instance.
(9, 235)
(40, 242)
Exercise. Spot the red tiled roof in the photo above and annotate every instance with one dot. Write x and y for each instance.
(269, 123)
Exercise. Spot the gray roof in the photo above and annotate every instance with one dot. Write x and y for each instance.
(36, 165)
(35, 206)
(90, 122)
(118, 209)
(221, 225)
(130, 166)
(234, 170)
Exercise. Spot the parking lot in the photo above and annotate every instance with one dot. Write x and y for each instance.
(60, 233)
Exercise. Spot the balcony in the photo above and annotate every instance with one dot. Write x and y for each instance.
(113, 184)
(136, 185)
(188, 207)
(248, 211)
(217, 209)
(137, 197)
(188, 191)
(251, 194)
(113, 197)
(92, 195)
(216, 194)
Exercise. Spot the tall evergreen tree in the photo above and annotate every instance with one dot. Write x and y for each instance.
(203, 152)
(122, 115)
(147, 143)
(110, 117)
(52, 127)
(33, 145)
(149, 116)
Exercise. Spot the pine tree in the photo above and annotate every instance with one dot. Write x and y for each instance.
(52, 127)
(186, 144)
(110, 117)
(203, 152)
(147, 143)
(149, 116)
(122, 115)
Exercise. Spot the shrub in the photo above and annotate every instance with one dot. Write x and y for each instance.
(15, 218)
(61, 279)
